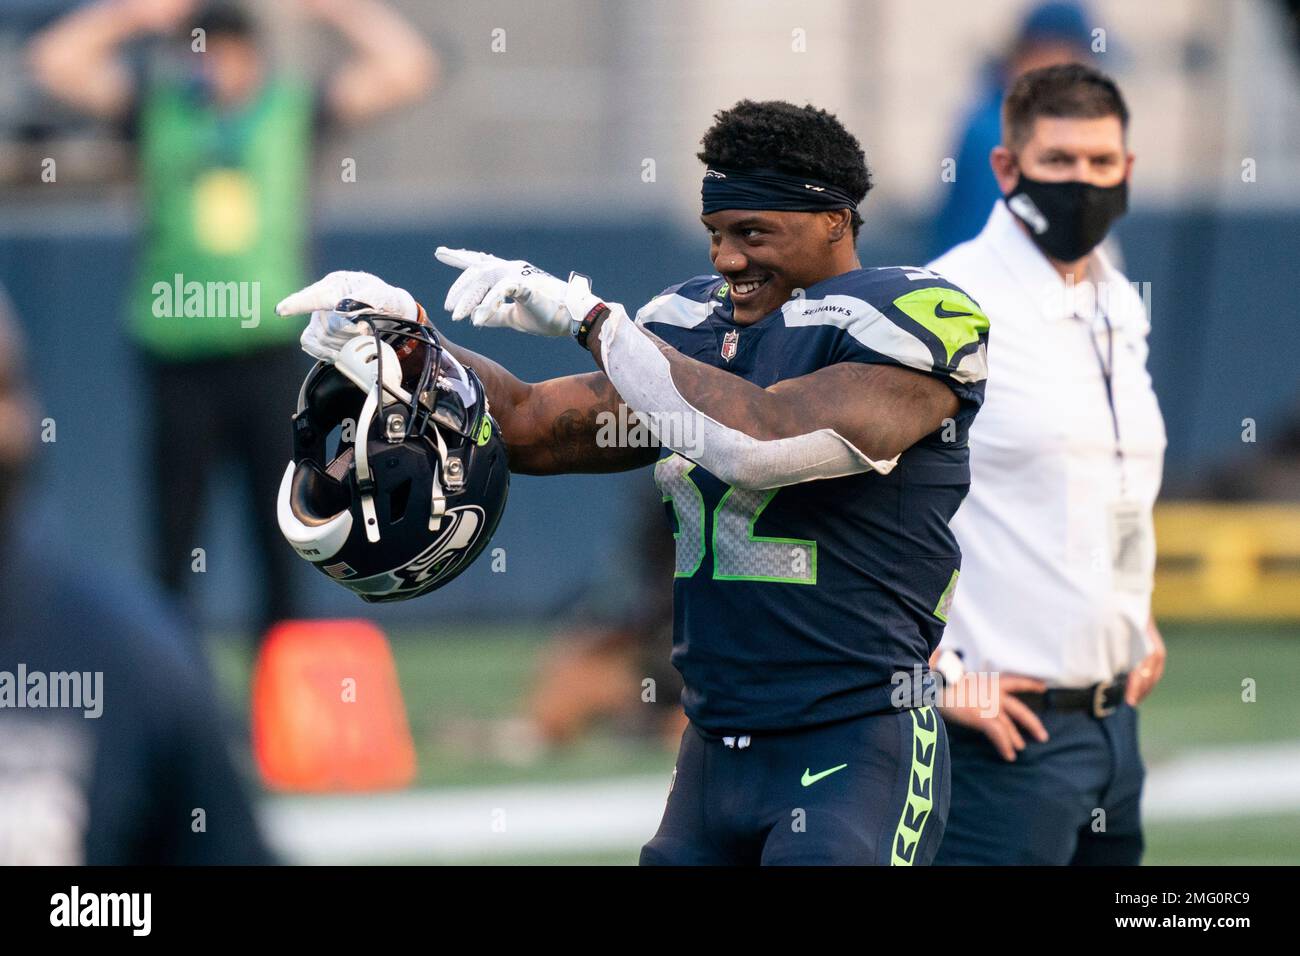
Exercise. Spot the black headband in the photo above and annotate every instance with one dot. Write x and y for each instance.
(769, 189)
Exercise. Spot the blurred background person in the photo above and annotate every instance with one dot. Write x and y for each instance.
(224, 145)
(136, 769)
(597, 666)
(1051, 33)
(603, 668)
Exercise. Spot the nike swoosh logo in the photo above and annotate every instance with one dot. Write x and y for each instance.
(941, 313)
(809, 778)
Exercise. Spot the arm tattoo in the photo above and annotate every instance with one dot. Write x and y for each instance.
(566, 440)
(573, 433)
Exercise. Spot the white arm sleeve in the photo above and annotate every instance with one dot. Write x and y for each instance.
(643, 378)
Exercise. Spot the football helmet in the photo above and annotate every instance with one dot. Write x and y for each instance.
(418, 476)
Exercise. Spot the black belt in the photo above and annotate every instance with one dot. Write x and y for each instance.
(1100, 700)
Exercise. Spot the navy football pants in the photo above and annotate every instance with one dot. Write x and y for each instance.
(1072, 800)
(871, 790)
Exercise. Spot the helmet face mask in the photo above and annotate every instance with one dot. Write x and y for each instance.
(417, 478)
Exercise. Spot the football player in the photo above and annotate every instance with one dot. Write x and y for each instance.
(811, 418)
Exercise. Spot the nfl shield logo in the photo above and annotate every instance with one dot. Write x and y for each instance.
(730, 342)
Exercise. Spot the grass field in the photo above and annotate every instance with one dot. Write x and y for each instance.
(475, 678)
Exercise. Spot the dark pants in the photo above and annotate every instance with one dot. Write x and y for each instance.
(872, 790)
(1072, 800)
(206, 414)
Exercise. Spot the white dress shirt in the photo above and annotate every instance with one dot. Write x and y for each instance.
(1056, 532)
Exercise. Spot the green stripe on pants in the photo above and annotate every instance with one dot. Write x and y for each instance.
(920, 789)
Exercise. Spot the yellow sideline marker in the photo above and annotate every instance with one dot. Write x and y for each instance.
(1227, 562)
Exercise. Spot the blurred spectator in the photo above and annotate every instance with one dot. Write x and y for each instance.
(613, 635)
(1052, 33)
(597, 667)
(110, 743)
(224, 144)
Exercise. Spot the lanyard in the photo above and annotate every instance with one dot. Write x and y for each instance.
(1107, 367)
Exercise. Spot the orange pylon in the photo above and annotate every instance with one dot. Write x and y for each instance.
(327, 709)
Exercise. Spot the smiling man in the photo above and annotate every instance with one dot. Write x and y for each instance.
(811, 418)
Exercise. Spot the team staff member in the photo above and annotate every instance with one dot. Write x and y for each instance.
(1056, 532)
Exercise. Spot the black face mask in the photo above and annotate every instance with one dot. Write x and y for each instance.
(1066, 220)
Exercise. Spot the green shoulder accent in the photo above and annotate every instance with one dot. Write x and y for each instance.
(484, 432)
(945, 599)
(952, 316)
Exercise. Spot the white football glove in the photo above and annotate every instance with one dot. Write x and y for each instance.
(482, 289)
(335, 301)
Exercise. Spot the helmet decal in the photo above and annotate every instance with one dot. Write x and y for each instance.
(338, 571)
(436, 560)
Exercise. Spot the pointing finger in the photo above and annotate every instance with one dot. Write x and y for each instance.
(319, 296)
(461, 258)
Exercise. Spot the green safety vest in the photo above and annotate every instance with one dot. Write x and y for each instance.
(226, 213)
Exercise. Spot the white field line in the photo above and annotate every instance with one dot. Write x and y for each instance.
(617, 814)
(620, 814)
(1224, 782)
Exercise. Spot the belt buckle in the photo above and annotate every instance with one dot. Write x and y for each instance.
(1099, 708)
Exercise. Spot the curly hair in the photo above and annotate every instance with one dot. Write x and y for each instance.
(801, 140)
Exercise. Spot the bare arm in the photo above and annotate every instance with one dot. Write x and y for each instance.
(551, 427)
(391, 64)
(882, 410)
(76, 58)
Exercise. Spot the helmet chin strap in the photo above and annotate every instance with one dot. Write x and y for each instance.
(438, 506)
(365, 481)
(362, 360)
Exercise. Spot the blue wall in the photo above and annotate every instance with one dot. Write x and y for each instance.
(1222, 349)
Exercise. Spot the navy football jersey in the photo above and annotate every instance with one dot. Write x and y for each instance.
(797, 606)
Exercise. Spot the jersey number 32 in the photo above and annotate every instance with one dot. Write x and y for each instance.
(738, 553)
